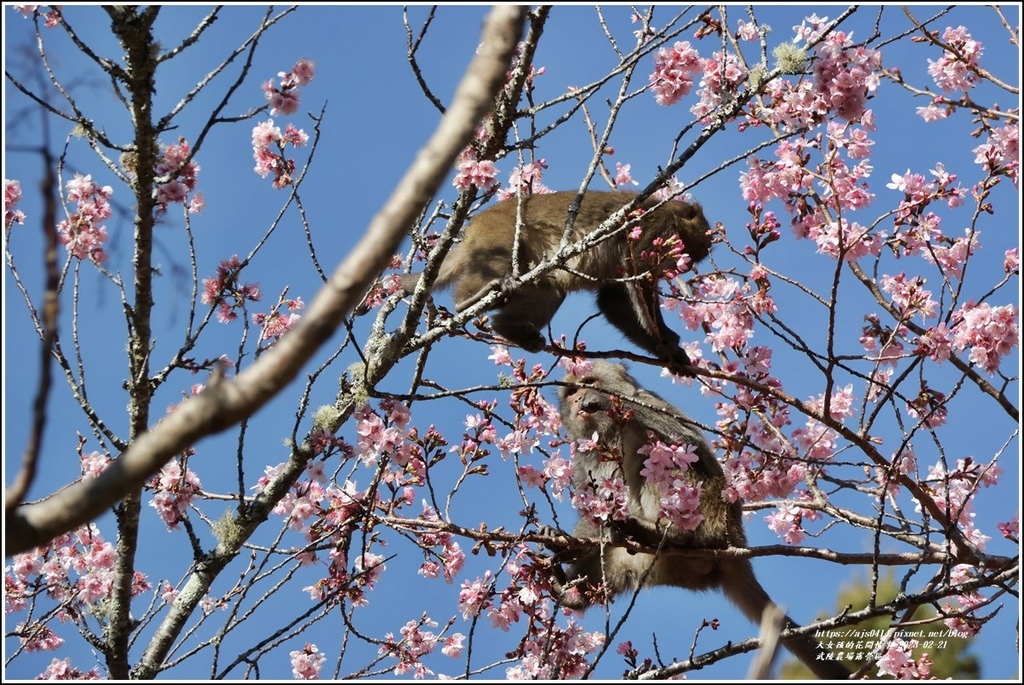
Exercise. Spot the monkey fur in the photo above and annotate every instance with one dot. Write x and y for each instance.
(608, 406)
(627, 294)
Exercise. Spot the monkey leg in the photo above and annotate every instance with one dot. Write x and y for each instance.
(634, 308)
(525, 313)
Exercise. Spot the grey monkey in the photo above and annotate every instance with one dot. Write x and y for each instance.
(626, 286)
(608, 406)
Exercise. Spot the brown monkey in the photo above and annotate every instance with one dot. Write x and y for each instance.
(627, 288)
(608, 407)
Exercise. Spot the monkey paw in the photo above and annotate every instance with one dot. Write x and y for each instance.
(552, 532)
(521, 334)
(679, 362)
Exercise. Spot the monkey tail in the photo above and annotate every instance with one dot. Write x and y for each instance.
(740, 585)
(446, 274)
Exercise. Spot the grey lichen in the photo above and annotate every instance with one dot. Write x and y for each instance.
(789, 59)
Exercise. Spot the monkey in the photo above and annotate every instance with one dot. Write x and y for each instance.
(609, 408)
(627, 291)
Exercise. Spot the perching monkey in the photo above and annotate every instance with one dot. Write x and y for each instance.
(622, 418)
(627, 289)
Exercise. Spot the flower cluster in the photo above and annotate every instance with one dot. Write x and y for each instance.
(451, 555)
(93, 464)
(844, 74)
(82, 232)
(12, 195)
(953, 492)
(524, 180)
(556, 653)
(61, 669)
(665, 468)
(604, 501)
(52, 20)
(787, 521)
(307, 662)
(674, 70)
(269, 149)
(269, 144)
(226, 293)
(473, 172)
(175, 491)
(284, 98)
(76, 570)
(417, 643)
(957, 68)
(990, 332)
(1001, 154)
(182, 174)
(389, 438)
(909, 296)
(720, 303)
(276, 323)
(723, 74)
(898, 661)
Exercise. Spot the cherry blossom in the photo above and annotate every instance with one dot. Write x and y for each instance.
(307, 662)
(81, 232)
(12, 195)
(471, 172)
(175, 489)
(955, 70)
(226, 292)
(990, 332)
(674, 69)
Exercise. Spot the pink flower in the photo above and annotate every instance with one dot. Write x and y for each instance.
(174, 493)
(559, 472)
(307, 662)
(93, 464)
(303, 71)
(61, 669)
(936, 343)
(674, 69)
(932, 113)
(475, 596)
(283, 103)
(897, 660)
(1011, 261)
(453, 645)
(12, 195)
(226, 293)
(526, 180)
(664, 462)
(605, 502)
(1010, 529)
(990, 332)
(483, 175)
(953, 71)
(1001, 154)
(909, 296)
(183, 175)
(844, 74)
(785, 521)
(268, 149)
(746, 31)
(37, 637)
(622, 175)
(501, 355)
(680, 505)
(81, 232)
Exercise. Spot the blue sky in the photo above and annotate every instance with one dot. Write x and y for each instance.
(375, 120)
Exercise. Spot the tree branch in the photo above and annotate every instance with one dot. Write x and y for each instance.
(225, 404)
